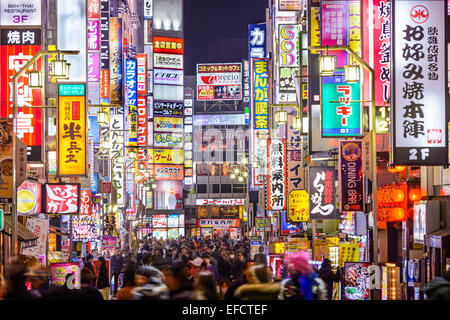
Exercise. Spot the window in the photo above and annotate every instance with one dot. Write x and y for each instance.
(202, 188)
(238, 188)
(216, 188)
(226, 188)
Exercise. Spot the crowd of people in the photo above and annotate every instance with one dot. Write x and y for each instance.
(183, 269)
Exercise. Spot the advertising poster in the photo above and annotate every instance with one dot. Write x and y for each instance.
(286, 227)
(159, 221)
(341, 117)
(322, 193)
(166, 156)
(6, 174)
(166, 172)
(72, 138)
(167, 124)
(131, 101)
(167, 108)
(61, 198)
(142, 122)
(298, 206)
(84, 228)
(356, 280)
(262, 224)
(419, 84)
(58, 272)
(351, 179)
(40, 228)
(168, 140)
(29, 196)
(348, 252)
(17, 48)
(219, 81)
(277, 175)
(168, 195)
(115, 62)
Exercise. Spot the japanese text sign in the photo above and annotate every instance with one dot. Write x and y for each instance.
(257, 40)
(419, 83)
(72, 127)
(277, 175)
(168, 45)
(260, 82)
(131, 100)
(351, 180)
(298, 206)
(85, 202)
(341, 117)
(322, 204)
(219, 81)
(61, 198)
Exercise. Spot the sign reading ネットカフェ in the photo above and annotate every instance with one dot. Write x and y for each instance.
(419, 90)
(72, 149)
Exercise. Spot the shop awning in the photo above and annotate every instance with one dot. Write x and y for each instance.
(438, 239)
(26, 236)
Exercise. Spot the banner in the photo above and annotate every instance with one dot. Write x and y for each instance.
(289, 56)
(115, 53)
(93, 65)
(295, 170)
(166, 172)
(277, 175)
(219, 81)
(17, 48)
(298, 206)
(170, 61)
(220, 202)
(168, 76)
(142, 132)
(168, 45)
(218, 223)
(167, 108)
(419, 83)
(257, 40)
(167, 124)
(260, 82)
(351, 181)
(356, 281)
(167, 156)
(20, 13)
(322, 194)
(61, 198)
(341, 117)
(72, 151)
(6, 156)
(40, 228)
(85, 202)
(168, 140)
(58, 272)
(131, 100)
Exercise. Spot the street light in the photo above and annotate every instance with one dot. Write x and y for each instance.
(327, 65)
(351, 74)
(297, 123)
(60, 68)
(280, 117)
(102, 118)
(35, 79)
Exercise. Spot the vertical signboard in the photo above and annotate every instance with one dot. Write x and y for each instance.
(289, 58)
(351, 182)
(131, 100)
(277, 175)
(6, 176)
(341, 117)
(322, 194)
(104, 51)
(18, 46)
(419, 83)
(115, 62)
(72, 138)
(260, 114)
(257, 40)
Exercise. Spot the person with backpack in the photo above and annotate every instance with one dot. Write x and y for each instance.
(302, 283)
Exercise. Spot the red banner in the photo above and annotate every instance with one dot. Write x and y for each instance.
(85, 202)
(141, 73)
(142, 121)
(29, 120)
(62, 198)
(168, 45)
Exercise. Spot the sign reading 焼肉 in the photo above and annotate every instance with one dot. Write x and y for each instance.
(72, 136)
(419, 90)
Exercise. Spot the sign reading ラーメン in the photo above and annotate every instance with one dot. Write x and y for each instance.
(419, 83)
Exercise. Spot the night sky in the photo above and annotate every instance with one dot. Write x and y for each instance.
(217, 30)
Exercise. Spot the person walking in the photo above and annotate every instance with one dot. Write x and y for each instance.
(205, 286)
(260, 257)
(87, 289)
(116, 268)
(211, 267)
(328, 276)
(103, 279)
(15, 276)
(438, 288)
(259, 286)
(303, 283)
(149, 284)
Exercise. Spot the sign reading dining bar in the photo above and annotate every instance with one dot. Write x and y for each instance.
(419, 83)
(72, 149)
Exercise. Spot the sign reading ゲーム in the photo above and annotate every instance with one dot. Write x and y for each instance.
(419, 90)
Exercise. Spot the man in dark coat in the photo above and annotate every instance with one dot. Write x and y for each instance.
(116, 268)
(328, 276)
(260, 257)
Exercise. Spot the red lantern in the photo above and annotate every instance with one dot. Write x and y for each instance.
(398, 195)
(400, 168)
(392, 169)
(415, 195)
(396, 214)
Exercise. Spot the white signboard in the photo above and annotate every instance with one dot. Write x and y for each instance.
(419, 79)
(168, 93)
(39, 227)
(148, 9)
(20, 12)
(220, 202)
(219, 81)
(168, 76)
(165, 60)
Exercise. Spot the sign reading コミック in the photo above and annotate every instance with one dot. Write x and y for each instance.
(419, 90)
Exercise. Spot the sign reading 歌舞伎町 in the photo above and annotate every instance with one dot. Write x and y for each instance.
(419, 83)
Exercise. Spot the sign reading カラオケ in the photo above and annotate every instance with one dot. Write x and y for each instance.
(419, 83)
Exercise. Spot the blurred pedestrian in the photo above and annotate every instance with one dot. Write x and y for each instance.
(116, 267)
(259, 286)
(205, 286)
(149, 284)
(260, 257)
(211, 267)
(303, 283)
(103, 279)
(328, 276)
(15, 276)
(438, 288)
(128, 283)
(87, 289)
(176, 281)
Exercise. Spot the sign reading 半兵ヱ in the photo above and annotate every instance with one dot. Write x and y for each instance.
(72, 151)
(419, 90)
